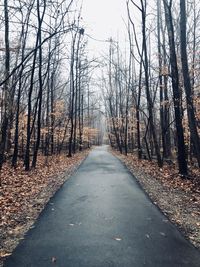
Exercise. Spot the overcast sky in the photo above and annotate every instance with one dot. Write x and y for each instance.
(103, 19)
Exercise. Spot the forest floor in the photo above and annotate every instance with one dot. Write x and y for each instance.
(177, 198)
(24, 194)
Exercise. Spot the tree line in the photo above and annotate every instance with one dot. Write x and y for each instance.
(151, 91)
(46, 104)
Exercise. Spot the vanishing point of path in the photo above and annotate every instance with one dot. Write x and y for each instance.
(102, 218)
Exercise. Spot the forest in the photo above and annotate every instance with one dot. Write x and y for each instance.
(46, 103)
(140, 96)
(153, 96)
(150, 91)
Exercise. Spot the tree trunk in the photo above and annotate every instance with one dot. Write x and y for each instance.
(28, 129)
(72, 96)
(77, 74)
(187, 83)
(5, 121)
(176, 91)
(149, 99)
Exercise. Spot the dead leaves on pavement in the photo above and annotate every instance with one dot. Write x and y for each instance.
(178, 198)
(24, 194)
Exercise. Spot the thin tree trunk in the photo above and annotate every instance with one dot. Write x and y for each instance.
(28, 129)
(5, 121)
(149, 100)
(72, 95)
(77, 73)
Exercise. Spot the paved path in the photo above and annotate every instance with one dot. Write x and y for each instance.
(102, 218)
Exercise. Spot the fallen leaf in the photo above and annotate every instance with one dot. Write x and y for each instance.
(53, 259)
(4, 255)
(163, 234)
(26, 193)
(117, 238)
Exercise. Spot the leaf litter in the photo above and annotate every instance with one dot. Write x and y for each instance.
(24, 194)
(178, 198)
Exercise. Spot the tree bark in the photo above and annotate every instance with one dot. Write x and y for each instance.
(187, 83)
(148, 95)
(182, 163)
(5, 122)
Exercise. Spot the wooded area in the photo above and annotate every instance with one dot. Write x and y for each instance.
(46, 104)
(152, 95)
(150, 90)
(140, 94)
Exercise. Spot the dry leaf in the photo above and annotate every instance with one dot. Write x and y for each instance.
(53, 259)
(117, 238)
(4, 254)
(26, 193)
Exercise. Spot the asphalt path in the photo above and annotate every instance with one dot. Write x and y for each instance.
(102, 218)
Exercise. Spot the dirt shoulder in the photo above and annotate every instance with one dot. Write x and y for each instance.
(179, 199)
(23, 196)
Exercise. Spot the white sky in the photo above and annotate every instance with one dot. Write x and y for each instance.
(103, 19)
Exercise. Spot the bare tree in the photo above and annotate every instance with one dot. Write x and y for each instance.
(7, 92)
(187, 83)
(176, 89)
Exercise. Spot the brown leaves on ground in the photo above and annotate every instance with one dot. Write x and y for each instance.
(177, 197)
(24, 195)
(168, 174)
